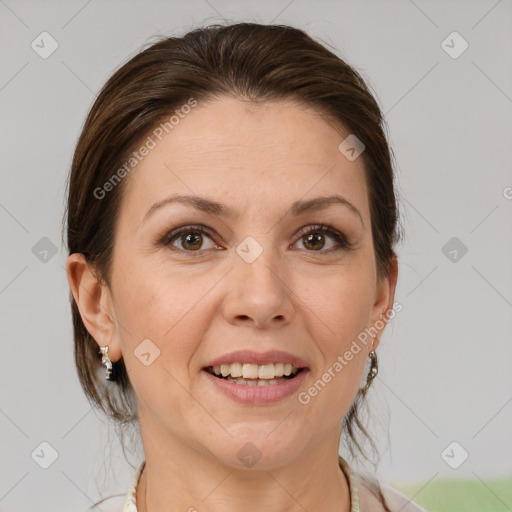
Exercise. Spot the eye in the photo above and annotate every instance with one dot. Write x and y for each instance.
(313, 238)
(189, 238)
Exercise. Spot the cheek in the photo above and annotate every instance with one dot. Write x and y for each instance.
(160, 337)
(339, 313)
(341, 303)
(153, 302)
(171, 310)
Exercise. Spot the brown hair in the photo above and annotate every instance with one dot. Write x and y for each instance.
(253, 61)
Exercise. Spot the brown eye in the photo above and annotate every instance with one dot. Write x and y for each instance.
(192, 241)
(189, 239)
(314, 238)
(314, 241)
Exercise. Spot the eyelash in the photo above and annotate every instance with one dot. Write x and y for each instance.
(342, 242)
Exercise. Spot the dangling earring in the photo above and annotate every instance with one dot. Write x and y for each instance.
(105, 359)
(374, 370)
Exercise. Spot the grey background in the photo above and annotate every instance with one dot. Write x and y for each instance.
(444, 360)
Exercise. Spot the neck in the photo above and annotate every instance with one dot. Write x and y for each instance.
(178, 477)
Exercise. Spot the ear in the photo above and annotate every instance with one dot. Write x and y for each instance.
(384, 299)
(94, 301)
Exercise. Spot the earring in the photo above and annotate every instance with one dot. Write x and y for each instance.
(105, 359)
(374, 370)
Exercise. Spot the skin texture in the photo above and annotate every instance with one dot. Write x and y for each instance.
(307, 299)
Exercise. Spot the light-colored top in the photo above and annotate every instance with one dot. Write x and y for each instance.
(361, 498)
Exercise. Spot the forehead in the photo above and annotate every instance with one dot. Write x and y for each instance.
(241, 152)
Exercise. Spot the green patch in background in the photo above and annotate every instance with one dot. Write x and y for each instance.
(461, 495)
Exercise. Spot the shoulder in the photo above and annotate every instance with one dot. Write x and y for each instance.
(396, 500)
(399, 501)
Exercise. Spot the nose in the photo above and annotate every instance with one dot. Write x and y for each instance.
(259, 294)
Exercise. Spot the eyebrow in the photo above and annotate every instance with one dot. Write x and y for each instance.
(222, 210)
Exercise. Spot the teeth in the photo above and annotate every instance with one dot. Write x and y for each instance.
(236, 370)
(250, 371)
(264, 372)
(256, 382)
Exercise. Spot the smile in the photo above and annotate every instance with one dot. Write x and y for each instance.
(254, 375)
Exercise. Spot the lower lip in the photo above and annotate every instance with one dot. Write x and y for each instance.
(258, 394)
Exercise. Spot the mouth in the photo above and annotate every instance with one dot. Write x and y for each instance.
(247, 374)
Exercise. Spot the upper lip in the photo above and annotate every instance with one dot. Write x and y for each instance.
(251, 357)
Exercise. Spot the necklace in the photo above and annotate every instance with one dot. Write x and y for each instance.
(346, 469)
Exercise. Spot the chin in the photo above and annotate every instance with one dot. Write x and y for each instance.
(258, 450)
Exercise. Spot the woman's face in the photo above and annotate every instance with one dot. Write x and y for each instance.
(255, 281)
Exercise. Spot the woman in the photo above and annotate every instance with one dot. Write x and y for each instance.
(231, 226)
